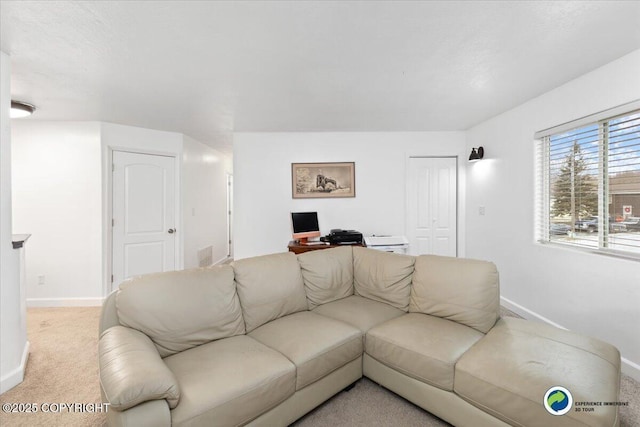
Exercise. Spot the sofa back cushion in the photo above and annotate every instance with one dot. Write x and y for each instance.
(179, 310)
(462, 290)
(269, 287)
(383, 276)
(327, 274)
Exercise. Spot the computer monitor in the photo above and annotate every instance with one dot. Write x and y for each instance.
(305, 226)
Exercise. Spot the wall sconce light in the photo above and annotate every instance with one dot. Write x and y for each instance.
(21, 109)
(476, 154)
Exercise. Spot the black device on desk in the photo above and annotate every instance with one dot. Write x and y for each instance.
(343, 237)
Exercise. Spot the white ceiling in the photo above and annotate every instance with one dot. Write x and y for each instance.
(208, 69)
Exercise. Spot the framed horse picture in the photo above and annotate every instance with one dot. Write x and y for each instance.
(323, 180)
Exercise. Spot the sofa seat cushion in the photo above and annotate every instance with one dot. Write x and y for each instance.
(421, 346)
(327, 274)
(363, 313)
(509, 372)
(229, 382)
(317, 345)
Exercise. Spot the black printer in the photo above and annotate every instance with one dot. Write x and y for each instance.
(343, 237)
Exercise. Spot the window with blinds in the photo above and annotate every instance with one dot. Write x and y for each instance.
(588, 184)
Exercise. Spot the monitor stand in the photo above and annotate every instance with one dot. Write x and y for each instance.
(304, 241)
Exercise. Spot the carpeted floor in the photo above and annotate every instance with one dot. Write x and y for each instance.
(63, 368)
(369, 404)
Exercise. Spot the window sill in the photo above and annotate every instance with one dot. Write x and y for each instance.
(606, 252)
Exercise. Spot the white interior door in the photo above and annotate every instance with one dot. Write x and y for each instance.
(144, 223)
(432, 206)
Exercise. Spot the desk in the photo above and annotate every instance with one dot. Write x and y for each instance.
(297, 248)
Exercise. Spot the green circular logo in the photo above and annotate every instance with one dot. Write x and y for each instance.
(558, 400)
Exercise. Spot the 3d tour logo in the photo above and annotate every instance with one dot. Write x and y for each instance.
(558, 400)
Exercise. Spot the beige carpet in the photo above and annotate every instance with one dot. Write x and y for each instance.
(63, 368)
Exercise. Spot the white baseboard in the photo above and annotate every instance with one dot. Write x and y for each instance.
(16, 376)
(628, 367)
(526, 313)
(631, 369)
(224, 260)
(64, 302)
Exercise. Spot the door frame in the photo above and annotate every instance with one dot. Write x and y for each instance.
(107, 214)
(459, 231)
(229, 215)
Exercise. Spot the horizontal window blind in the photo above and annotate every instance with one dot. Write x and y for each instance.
(588, 185)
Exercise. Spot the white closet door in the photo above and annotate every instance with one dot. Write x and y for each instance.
(432, 206)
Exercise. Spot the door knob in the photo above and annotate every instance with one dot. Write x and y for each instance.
(172, 230)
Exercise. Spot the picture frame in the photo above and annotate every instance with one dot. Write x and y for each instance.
(323, 180)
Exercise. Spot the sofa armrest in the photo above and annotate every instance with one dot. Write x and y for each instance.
(154, 413)
(131, 370)
(108, 313)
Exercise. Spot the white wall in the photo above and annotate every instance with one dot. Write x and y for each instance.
(62, 196)
(204, 201)
(13, 335)
(262, 182)
(123, 137)
(56, 198)
(589, 293)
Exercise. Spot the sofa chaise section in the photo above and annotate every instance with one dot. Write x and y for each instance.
(509, 372)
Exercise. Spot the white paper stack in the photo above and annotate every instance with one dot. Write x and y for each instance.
(397, 244)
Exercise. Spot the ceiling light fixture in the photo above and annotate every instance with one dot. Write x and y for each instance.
(21, 109)
(476, 154)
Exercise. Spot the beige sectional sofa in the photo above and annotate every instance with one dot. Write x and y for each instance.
(267, 339)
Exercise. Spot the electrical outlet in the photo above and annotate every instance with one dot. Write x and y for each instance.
(481, 210)
(41, 279)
